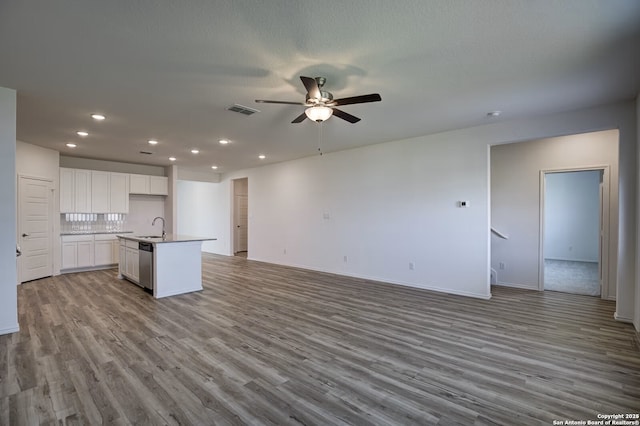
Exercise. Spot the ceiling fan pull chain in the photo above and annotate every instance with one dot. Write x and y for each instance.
(320, 138)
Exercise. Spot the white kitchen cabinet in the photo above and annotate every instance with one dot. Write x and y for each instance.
(151, 185)
(75, 191)
(100, 192)
(118, 193)
(77, 251)
(105, 250)
(158, 185)
(82, 190)
(138, 184)
(131, 266)
(67, 191)
(85, 254)
(102, 252)
(69, 255)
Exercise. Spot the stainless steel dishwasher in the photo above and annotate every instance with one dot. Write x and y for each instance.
(145, 251)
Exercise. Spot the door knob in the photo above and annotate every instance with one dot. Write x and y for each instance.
(25, 235)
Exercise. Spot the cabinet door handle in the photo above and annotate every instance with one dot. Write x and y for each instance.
(25, 235)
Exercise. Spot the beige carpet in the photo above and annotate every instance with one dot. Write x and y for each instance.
(572, 277)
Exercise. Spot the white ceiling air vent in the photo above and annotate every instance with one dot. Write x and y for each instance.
(242, 109)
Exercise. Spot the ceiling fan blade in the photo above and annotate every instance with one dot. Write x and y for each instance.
(312, 87)
(300, 118)
(374, 97)
(345, 116)
(263, 101)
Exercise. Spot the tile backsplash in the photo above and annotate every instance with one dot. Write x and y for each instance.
(92, 222)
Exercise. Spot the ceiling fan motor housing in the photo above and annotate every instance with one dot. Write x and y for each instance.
(325, 97)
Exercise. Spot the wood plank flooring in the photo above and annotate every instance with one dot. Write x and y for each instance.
(270, 345)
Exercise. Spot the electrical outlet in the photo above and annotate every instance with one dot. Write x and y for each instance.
(345, 259)
(502, 266)
(411, 266)
(284, 251)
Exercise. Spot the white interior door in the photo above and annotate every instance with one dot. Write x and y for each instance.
(35, 232)
(241, 222)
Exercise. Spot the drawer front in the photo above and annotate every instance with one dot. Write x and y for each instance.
(76, 238)
(131, 244)
(105, 237)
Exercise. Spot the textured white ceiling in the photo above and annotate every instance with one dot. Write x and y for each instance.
(168, 69)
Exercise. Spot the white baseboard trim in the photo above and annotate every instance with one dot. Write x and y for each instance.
(10, 330)
(571, 260)
(515, 285)
(622, 319)
(384, 281)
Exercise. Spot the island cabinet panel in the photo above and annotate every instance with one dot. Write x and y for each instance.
(129, 260)
(100, 190)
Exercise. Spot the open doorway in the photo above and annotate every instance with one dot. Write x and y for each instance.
(574, 237)
(240, 215)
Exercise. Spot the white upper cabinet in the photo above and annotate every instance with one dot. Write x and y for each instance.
(75, 191)
(119, 193)
(152, 185)
(138, 184)
(92, 191)
(67, 191)
(100, 192)
(158, 185)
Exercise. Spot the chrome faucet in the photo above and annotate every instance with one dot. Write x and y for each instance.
(164, 234)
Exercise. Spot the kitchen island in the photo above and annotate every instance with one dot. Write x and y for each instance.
(171, 264)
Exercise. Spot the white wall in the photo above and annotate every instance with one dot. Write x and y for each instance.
(142, 210)
(572, 216)
(35, 161)
(515, 199)
(393, 203)
(9, 276)
(199, 215)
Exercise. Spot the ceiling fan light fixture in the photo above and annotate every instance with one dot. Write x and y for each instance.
(319, 113)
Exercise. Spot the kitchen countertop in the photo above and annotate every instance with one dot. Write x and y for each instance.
(95, 232)
(169, 238)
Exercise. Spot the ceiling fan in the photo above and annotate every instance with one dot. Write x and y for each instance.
(321, 105)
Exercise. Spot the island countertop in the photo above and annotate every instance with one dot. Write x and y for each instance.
(169, 238)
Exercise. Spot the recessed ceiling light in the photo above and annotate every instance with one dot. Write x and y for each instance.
(194, 151)
(494, 113)
(98, 117)
(153, 142)
(82, 133)
(172, 158)
(262, 156)
(214, 167)
(71, 145)
(224, 141)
